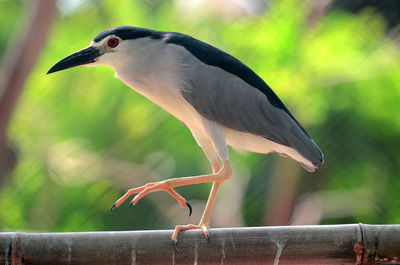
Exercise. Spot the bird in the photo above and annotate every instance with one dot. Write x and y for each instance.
(220, 99)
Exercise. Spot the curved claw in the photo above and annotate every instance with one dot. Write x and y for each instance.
(112, 207)
(131, 204)
(176, 245)
(180, 228)
(190, 208)
(205, 231)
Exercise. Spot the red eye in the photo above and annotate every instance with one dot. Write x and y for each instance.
(113, 42)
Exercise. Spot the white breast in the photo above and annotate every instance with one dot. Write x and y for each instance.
(154, 70)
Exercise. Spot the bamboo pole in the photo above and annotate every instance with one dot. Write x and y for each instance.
(325, 244)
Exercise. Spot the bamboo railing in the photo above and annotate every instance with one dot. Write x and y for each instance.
(324, 244)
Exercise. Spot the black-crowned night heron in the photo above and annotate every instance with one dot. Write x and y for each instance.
(221, 100)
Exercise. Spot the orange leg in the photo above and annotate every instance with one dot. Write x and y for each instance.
(148, 188)
(218, 177)
(169, 184)
(214, 146)
(205, 219)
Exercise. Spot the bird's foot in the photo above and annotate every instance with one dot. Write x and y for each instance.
(179, 228)
(149, 188)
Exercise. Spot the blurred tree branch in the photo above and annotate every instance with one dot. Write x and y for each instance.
(283, 193)
(18, 62)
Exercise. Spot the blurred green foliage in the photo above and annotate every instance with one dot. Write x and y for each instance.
(84, 137)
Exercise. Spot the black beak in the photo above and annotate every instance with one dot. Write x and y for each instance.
(81, 57)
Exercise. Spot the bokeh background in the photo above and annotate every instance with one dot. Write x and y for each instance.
(76, 140)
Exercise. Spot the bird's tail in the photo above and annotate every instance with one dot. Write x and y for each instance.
(314, 155)
(307, 148)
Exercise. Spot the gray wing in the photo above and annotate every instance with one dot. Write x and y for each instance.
(226, 91)
(228, 100)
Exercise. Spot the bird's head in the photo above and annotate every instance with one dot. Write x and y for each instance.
(107, 48)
